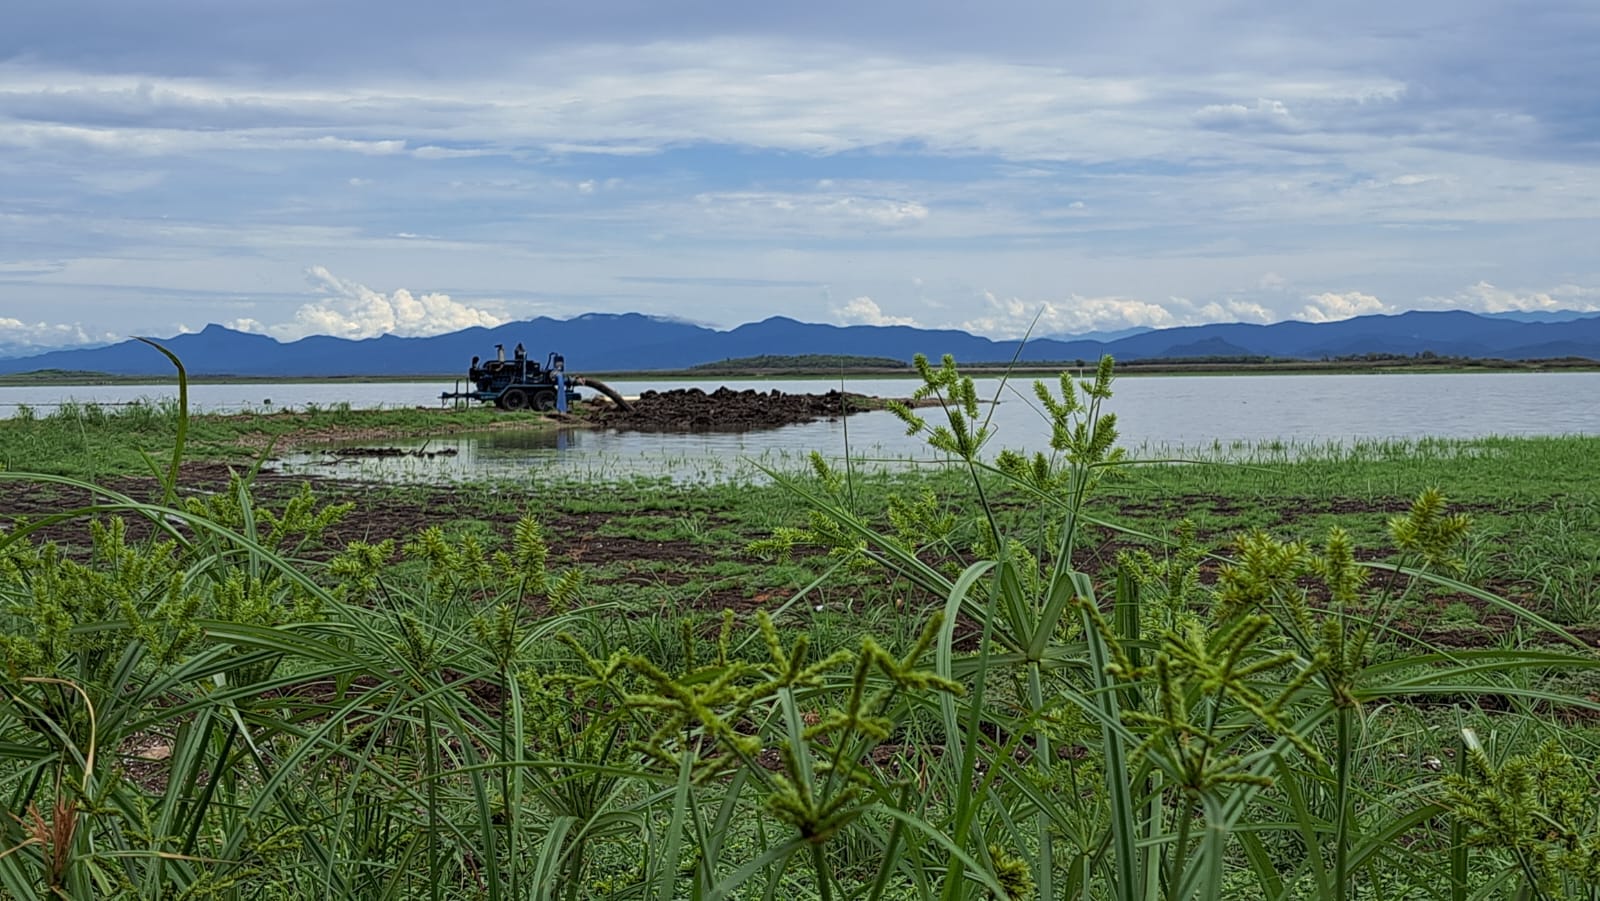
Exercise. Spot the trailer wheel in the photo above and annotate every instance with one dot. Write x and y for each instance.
(544, 401)
(514, 399)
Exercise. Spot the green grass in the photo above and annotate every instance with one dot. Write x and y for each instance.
(93, 441)
(958, 684)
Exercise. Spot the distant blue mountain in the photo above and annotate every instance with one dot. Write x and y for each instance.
(602, 341)
(1543, 315)
(13, 349)
(1107, 335)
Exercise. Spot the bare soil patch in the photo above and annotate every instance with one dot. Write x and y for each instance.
(726, 410)
(667, 565)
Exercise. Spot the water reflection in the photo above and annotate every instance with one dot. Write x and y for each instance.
(576, 454)
(503, 442)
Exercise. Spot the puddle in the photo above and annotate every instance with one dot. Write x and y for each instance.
(583, 455)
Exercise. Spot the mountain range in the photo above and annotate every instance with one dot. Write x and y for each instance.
(601, 342)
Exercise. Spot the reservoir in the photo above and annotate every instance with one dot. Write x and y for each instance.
(1157, 416)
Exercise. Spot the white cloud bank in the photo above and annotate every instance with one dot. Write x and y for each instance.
(1331, 307)
(1013, 317)
(1075, 315)
(865, 311)
(644, 98)
(1486, 298)
(348, 309)
(18, 337)
(752, 211)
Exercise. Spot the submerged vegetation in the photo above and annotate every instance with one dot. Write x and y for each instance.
(1064, 675)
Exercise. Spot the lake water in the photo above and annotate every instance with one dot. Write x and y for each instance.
(1154, 413)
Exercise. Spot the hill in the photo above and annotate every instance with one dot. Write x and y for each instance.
(773, 363)
(600, 342)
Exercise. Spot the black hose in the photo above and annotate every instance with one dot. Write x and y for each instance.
(605, 389)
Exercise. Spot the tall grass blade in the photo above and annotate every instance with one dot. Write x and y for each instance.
(182, 435)
(1459, 862)
(1125, 833)
(546, 875)
(666, 864)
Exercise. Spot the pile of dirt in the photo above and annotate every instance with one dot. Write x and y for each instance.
(419, 453)
(726, 410)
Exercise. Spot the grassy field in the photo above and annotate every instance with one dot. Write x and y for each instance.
(93, 441)
(1305, 676)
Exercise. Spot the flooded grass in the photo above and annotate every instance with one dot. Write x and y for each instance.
(90, 440)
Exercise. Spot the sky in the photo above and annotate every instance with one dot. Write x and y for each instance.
(360, 168)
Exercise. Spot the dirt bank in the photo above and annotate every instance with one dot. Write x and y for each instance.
(726, 410)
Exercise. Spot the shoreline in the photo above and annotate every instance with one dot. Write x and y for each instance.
(49, 378)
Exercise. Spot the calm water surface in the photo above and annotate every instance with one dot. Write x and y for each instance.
(1153, 412)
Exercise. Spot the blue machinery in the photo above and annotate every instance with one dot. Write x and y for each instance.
(523, 384)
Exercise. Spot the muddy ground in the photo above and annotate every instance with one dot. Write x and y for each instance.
(664, 566)
(725, 410)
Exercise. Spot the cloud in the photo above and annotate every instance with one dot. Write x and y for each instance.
(197, 139)
(1013, 317)
(753, 92)
(1263, 115)
(1103, 171)
(792, 210)
(1484, 297)
(348, 309)
(1331, 307)
(719, 281)
(21, 269)
(19, 338)
(1077, 315)
(882, 212)
(1234, 310)
(865, 311)
(115, 182)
